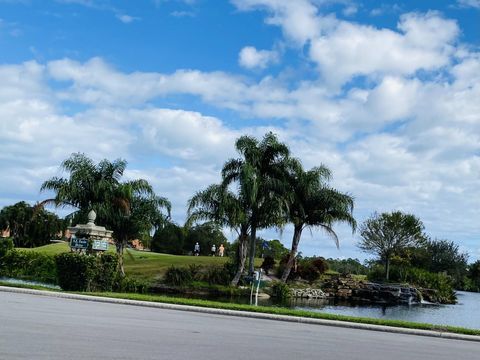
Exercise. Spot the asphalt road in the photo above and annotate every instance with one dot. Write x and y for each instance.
(39, 327)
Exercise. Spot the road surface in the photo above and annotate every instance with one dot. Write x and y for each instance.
(39, 327)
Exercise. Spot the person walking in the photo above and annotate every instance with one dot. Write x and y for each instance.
(214, 250)
(221, 250)
(196, 249)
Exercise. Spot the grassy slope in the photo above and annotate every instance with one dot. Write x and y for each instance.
(142, 264)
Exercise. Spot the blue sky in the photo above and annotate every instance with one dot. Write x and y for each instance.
(384, 93)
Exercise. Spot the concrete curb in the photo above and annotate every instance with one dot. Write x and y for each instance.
(246, 314)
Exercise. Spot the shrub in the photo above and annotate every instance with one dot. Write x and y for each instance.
(28, 265)
(217, 275)
(268, 264)
(105, 272)
(78, 272)
(6, 244)
(130, 285)
(441, 282)
(178, 276)
(320, 264)
(307, 271)
(75, 271)
(281, 291)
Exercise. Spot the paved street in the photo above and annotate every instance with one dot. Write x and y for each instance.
(38, 327)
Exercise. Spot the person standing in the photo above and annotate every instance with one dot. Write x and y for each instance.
(214, 250)
(196, 249)
(221, 250)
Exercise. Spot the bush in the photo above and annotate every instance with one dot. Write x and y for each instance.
(268, 264)
(217, 275)
(130, 285)
(6, 244)
(307, 271)
(75, 271)
(178, 276)
(28, 265)
(320, 264)
(78, 272)
(281, 291)
(441, 282)
(105, 272)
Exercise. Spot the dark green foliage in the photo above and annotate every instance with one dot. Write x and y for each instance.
(474, 276)
(347, 266)
(76, 272)
(169, 239)
(441, 256)
(178, 276)
(28, 265)
(273, 248)
(6, 244)
(206, 235)
(268, 264)
(438, 281)
(307, 271)
(320, 264)
(217, 275)
(106, 272)
(281, 290)
(30, 226)
(129, 285)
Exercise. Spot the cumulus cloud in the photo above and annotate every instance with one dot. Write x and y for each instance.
(251, 58)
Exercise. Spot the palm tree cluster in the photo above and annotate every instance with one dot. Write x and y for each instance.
(128, 208)
(263, 188)
(266, 187)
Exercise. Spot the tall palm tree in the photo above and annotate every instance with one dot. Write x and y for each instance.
(223, 207)
(314, 204)
(260, 176)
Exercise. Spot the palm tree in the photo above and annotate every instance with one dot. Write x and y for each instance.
(261, 179)
(134, 209)
(223, 207)
(127, 208)
(88, 186)
(314, 204)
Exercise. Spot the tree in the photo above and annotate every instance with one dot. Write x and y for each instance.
(218, 204)
(314, 204)
(169, 239)
(388, 233)
(206, 235)
(30, 226)
(128, 208)
(260, 176)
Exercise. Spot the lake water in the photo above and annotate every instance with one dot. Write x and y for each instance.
(465, 314)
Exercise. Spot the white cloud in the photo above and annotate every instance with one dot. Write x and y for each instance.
(425, 42)
(127, 19)
(469, 3)
(251, 58)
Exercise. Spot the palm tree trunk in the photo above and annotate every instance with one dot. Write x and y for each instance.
(251, 259)
(297, 233)
(241, 258)
(120, 244)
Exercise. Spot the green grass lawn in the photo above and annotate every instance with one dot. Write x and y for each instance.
(145, 265)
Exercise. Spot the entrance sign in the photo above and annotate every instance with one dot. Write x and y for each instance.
(78, 243)
(101, 245)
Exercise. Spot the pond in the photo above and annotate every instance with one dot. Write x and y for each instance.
(464, 314)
